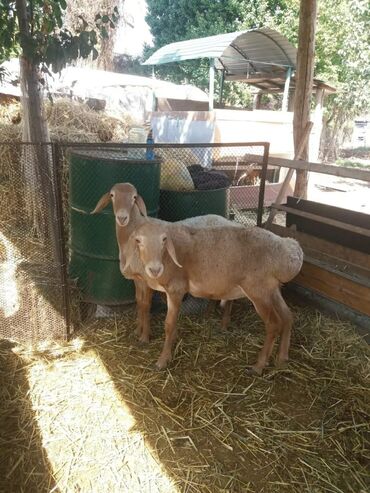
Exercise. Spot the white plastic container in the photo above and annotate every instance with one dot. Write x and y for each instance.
(137, 135)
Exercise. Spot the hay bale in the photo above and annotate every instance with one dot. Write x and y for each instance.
(69, 121)
(67, 117)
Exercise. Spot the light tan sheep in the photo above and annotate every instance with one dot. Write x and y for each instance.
(219, 263)
(130, 213)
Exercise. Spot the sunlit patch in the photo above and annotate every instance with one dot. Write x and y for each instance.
(49, 349)
(9, 295)
(88, 431)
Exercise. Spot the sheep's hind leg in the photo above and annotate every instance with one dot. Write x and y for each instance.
(287, 322)
(209, 311)
(265, 307)
(226, 306)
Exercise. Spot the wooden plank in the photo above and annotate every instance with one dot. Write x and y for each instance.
(337, 235)
(356, 274)
(327, 169)
(278, 78)
(308, 242)
(325, 220)
(335, 287)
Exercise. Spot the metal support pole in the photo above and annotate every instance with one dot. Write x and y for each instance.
(284, 106)
(222, 85)
(211, 83)
(154, 99)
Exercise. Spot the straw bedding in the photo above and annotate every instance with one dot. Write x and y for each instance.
(210, 426)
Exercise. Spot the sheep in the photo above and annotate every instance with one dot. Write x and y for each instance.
(219, 263)
(130, 212)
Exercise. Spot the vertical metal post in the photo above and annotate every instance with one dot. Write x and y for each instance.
(222, 85)
(211, 83)
(154, 98)
(57, 177)
(284, 106)
(261, 196)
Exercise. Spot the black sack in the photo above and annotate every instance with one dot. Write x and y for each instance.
(208, 179)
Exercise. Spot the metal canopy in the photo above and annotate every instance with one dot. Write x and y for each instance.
(263, 58)
(242, 53)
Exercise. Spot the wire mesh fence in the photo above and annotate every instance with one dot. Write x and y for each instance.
(32, 259)
(60, 263)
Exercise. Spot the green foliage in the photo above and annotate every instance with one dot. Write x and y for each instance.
(342, 57)
(177, 20)
(131, 65)
(342, 44)
(352, 163)
(47, 43)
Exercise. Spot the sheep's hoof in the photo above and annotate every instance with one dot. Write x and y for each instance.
(281, 364)
(159, 365)
(254, 371)
(143, 341)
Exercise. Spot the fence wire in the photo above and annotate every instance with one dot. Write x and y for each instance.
(59, 264)
(32, 262)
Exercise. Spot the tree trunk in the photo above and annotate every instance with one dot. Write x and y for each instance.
(304, 81)
(36, 157)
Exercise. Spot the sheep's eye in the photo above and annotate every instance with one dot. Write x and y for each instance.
(135, 197)
(164, 239)
(138, 241)
(111, 195)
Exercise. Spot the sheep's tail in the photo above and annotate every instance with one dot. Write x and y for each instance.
(291, 262)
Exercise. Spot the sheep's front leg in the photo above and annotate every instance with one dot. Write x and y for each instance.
(139, 298)
(173, 308)
(143, 295)
(147, 294)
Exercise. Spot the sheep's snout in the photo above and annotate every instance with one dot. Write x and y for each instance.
(122, 218)
(154, 269)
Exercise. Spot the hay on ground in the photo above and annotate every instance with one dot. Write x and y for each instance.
(209, 426)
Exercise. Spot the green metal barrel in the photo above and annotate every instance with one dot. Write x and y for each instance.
(94, 258)
(178, 205)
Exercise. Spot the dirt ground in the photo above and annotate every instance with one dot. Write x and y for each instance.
(340, 192)
(343, 192)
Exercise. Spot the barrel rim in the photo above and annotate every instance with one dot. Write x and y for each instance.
(110, 160)
(194, 191)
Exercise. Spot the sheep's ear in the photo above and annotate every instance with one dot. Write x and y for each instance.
(130, 251)
(171, 250)
(103, 202)
(141, 205)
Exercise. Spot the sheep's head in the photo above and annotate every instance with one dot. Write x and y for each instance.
(124, 197)
(153, 242)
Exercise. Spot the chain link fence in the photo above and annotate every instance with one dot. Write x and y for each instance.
(59, 264)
